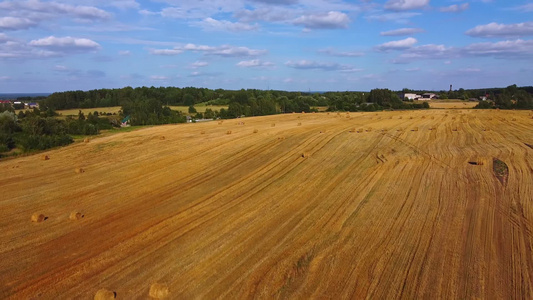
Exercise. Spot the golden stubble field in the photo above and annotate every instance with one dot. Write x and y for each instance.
(327, 206)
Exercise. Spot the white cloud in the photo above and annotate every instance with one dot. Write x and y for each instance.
(502, 30)
(398, 17)
(159, 77)
(224, 50)
(198, 9)
(455, 8)
(429, 51)
(405, 4)
(124, 53)
(12, 23)
(503, 49)
(210, 24)
(397, 45)
(528, 7)
(46, 10)
(202, 74)
(401, 31)
(199, 64)
(125, 4)
(268, 14)
(61, 68)
(330, 20)
(326, 66)
(469, 70)
(511, 49)
(4, 78)
(254, 63)
(277, 2)
(168, 52)
(66, 43)
(332, 52)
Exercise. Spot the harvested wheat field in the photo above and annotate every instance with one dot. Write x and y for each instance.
(415, 208)
(451, 104)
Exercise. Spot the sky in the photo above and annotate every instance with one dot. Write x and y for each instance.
(294, 45)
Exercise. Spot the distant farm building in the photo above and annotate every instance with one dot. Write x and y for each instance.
(427, 96)
(410, 96)
(31, 105)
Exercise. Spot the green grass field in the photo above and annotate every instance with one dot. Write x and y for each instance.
(74, 111)
(200, 107)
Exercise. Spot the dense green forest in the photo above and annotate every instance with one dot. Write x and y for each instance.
(253, 102)
(39, 130)
(147, 105)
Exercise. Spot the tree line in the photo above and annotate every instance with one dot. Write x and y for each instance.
(38, 130)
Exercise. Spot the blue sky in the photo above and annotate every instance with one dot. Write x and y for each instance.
(317, 45)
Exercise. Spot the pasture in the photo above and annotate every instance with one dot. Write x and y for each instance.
(418, 204)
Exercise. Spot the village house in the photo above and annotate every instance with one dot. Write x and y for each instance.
(428, 96)
(410, 96)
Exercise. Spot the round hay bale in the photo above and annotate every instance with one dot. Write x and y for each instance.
(75, 215)
(359, 130)
(256, 131)
(38, 218)
(273, 125)
(414, 129)
(228, 132)
(299, 123)
(162, 137)
(514, 119)
(159, 291)
(454, 129)
(411, 118)
(86, 140)
(477, 161)
(79, 170)
(202, 132)
(304, 155)
(368, 129)
(303, 112)
(104, 294)
(400, 117)
(45, 157)
(352, 130)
